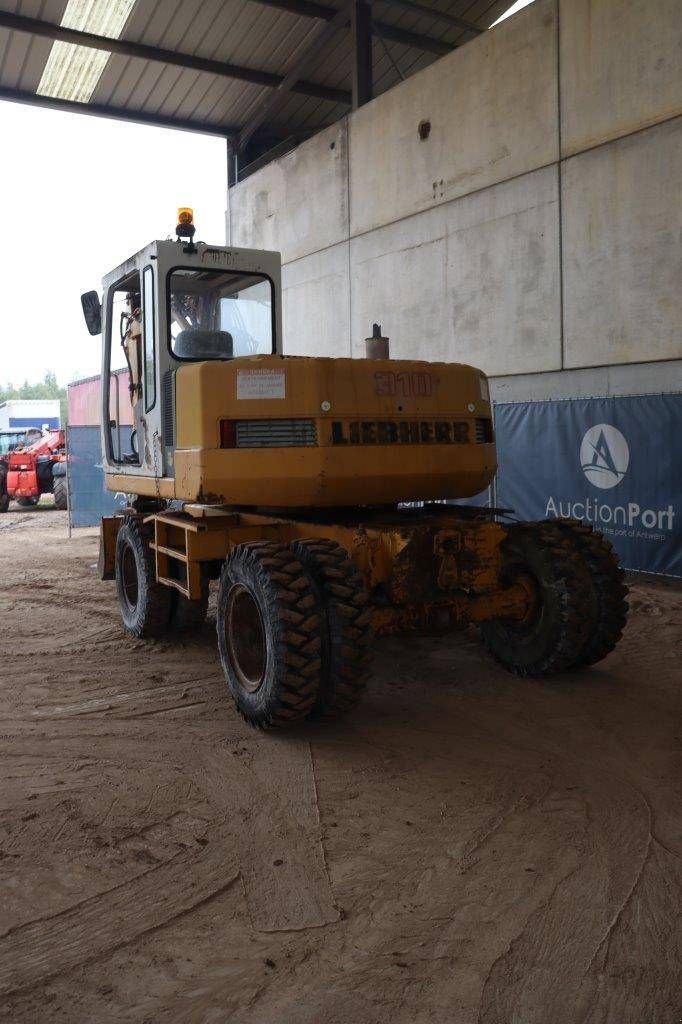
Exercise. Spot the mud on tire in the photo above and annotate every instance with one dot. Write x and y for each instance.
(346, 628)
(145, 604)
(268, 624)
(554, 634)
(608, 606)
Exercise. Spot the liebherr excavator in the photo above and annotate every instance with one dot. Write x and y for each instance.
(311, 489)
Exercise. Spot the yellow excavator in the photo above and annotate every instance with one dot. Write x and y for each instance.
(316, 491)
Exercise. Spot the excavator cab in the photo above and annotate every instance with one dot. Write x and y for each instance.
(173, 304)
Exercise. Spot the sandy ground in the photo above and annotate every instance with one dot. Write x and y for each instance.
(469, 848)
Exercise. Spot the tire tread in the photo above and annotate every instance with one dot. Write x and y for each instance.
(570, 587)
(290, 604)
(347, 647)
(609, 589)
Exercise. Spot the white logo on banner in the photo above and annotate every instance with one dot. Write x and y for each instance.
(604, 455)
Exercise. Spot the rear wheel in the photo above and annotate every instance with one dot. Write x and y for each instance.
(608, 606)
(347, 626)
(4, 496)
(27, 502)
(554, 631)
(145, 604)
(60, 493)
(268, 624)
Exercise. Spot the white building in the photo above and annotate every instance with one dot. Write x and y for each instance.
(29, 412)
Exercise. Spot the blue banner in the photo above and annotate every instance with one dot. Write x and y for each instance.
(614, 462)
(88, 500)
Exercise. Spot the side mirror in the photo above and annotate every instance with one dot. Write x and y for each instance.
(92, 311)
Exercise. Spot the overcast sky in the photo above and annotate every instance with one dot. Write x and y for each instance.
(79, 195)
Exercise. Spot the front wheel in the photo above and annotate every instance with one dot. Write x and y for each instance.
(553, 633)
(268, 623)
(4, 496)
(145, 604)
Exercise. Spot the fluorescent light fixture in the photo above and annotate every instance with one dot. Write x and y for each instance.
(512, 10)
(72, 72)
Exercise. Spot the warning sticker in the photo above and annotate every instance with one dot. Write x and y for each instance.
(261, 384)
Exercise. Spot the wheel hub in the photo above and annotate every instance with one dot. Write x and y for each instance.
(245, 636)
(526, 586)
(129, 577)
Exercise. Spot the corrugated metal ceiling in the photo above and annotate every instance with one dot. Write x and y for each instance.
(241, 32)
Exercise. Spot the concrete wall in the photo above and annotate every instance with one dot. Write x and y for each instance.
(536, 230)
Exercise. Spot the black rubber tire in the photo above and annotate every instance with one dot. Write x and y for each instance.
(554, 637)
(4, 496)
(27, 502)
(60, 493)
(347, 633)
(282, 641)
(188, 616)
(145, 604)
(608, 606)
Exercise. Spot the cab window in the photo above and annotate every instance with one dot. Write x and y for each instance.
(220, 314)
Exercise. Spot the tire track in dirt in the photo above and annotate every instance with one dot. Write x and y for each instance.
(267, 788)
(563, 951)
(33, 952)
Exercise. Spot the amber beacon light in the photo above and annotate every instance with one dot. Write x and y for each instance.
(185, 227)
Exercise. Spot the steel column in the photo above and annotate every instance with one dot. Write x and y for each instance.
(361, 47)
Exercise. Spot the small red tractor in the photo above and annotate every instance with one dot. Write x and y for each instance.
(31, 470)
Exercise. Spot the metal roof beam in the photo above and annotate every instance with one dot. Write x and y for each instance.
(229, 132)
(116, 113)
(414, 39)
(48, 30)
(317, 37)
(430, 12)
(312, 9)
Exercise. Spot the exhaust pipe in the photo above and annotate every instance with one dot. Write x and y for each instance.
(377, 346)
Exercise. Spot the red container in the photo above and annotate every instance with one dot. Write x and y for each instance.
(83, 401)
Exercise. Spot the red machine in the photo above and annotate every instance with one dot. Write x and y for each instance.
(35, 469)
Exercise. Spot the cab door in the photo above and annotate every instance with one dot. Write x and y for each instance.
(122, 372)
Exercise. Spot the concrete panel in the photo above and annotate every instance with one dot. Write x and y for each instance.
(316, 304)
(476, 281)
(592, 382)
(298, 204)
(622, 254)
(492, 105)
(403, 289)
(621, 68)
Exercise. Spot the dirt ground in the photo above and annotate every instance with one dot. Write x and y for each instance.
(470, 847)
